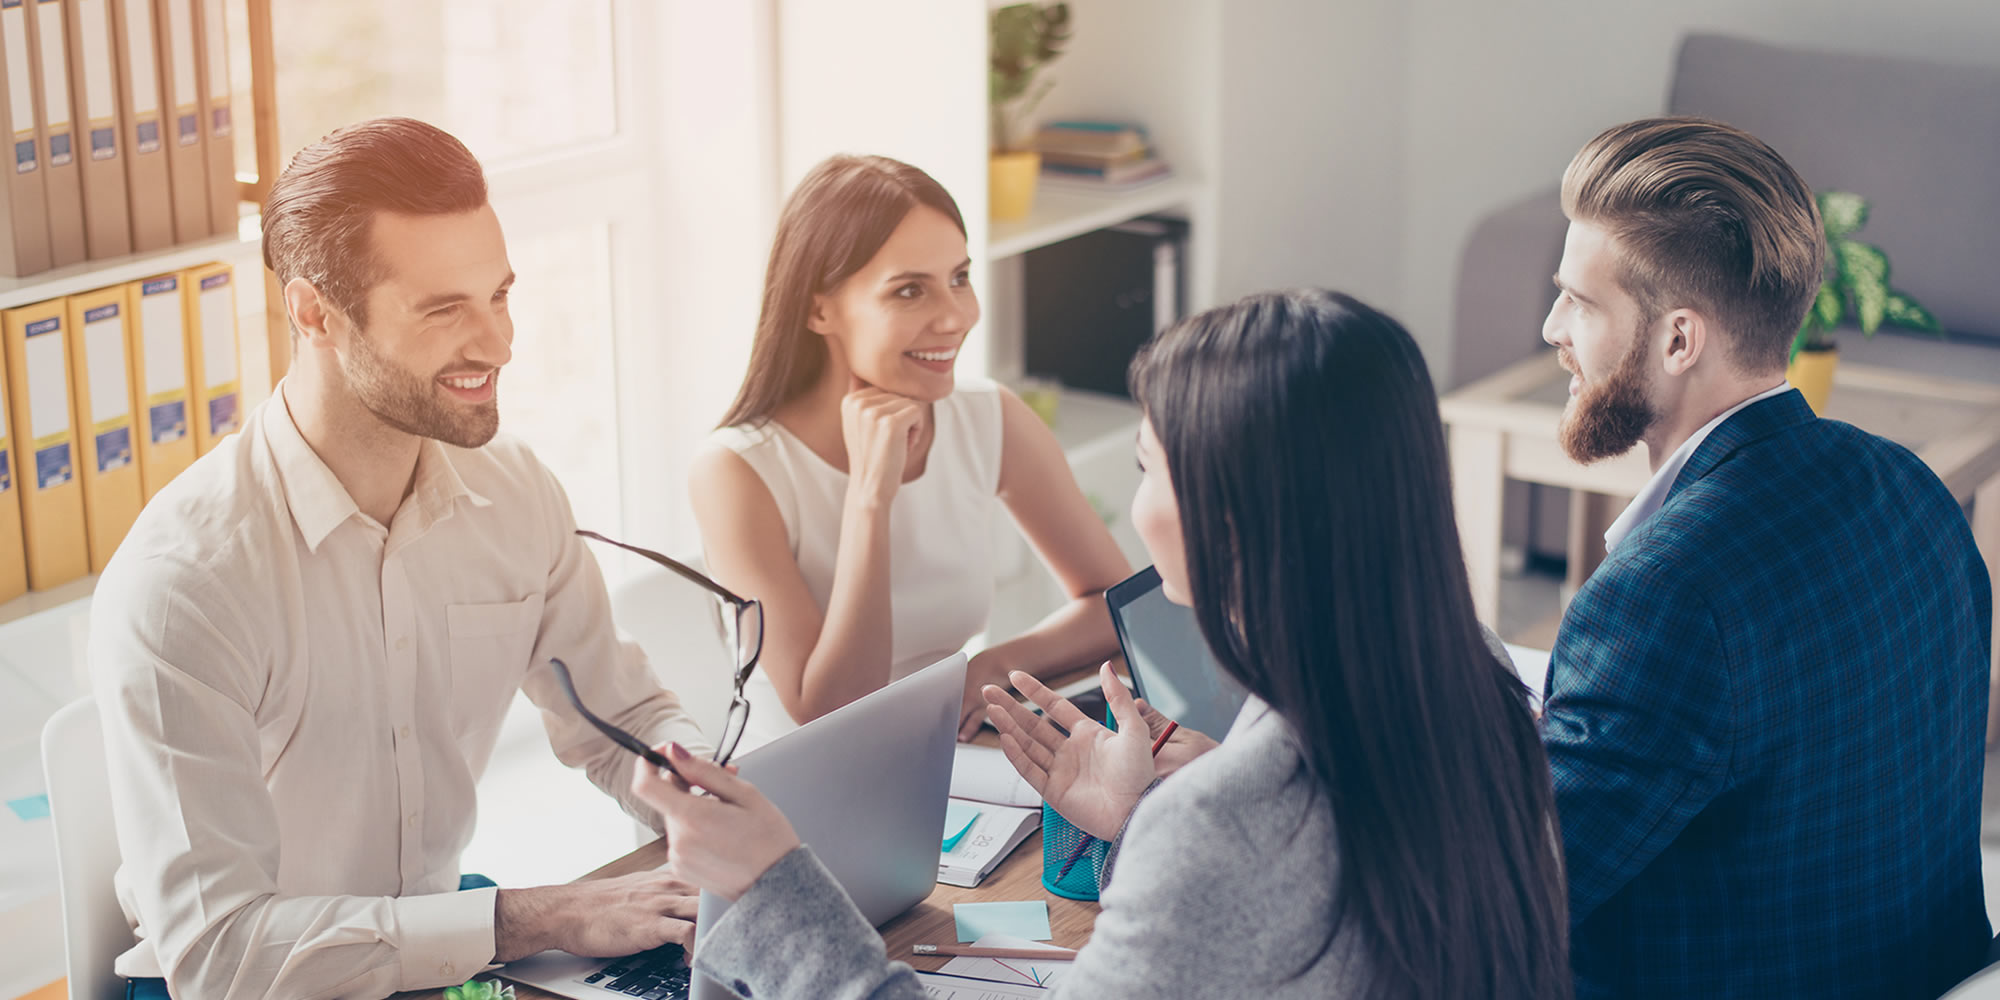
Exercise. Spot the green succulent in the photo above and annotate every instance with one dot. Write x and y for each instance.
(1857, 279)
(1025, 38)
(491, 989)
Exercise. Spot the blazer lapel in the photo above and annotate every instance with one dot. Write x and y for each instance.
(1751, 424)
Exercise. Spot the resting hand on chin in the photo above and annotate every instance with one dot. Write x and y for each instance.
(722, 833)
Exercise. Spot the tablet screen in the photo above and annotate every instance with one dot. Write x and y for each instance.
(1170, 662)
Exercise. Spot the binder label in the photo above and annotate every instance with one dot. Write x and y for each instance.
(190, 129)
(101, 313)
(149, 137)
(103, 143)
(220, 121)
(24, 157)
(20, 98)
(168, 421)
(222, 414)
(214, 281)
(6, 472)
(114, 448)
(52, 466)
(59, 150)
(158, 285)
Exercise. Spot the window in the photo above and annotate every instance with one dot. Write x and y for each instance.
(543, 93)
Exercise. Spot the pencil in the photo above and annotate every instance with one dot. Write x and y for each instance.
(967, 951)
(1087, 839)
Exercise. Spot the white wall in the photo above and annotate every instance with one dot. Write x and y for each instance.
(1500, 95)
(1313, 112)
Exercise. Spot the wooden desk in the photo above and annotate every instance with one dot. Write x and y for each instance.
(1504, 427)
(929, 922)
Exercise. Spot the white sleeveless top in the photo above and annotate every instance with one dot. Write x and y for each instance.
(941, 559)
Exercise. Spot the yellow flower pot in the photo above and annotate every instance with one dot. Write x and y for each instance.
(1811, 373)
(1010, 184)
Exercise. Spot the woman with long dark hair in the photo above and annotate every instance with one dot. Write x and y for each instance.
(852, 484)
(1378, 822)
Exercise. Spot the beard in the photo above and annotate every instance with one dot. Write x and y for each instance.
(415, 405)
(1611, 414)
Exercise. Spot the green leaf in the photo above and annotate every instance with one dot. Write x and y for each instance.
(1904, 311)
(1827, 307)
(1864, 276)
(1842, 212)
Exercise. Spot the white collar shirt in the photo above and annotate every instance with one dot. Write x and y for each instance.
(299, 700)
(1654, 494)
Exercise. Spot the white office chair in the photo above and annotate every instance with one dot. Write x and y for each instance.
(94, 927)
(674, 621)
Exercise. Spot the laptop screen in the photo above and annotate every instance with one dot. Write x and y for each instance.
(1170, 662)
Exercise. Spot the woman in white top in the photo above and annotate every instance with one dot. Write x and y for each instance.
(851, 485)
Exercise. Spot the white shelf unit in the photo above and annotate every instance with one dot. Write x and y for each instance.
(1064, 212)
(245, 245)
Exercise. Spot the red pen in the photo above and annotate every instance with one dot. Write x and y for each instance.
(1087, 839)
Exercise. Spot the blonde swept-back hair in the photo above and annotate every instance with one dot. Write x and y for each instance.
(1705, 216)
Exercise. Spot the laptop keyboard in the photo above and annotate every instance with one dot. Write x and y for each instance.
(660, 974)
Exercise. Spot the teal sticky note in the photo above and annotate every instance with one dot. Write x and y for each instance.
(31, 807)
(1028, 919)
(958, 820)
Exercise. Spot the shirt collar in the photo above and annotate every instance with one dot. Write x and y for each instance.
(319, 503)
(1654, 494)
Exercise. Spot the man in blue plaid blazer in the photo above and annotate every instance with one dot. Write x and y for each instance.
(1765, 711)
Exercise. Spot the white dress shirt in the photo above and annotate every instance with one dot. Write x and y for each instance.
(1648, 502)
(298, 700)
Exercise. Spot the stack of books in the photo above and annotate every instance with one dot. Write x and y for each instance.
(1098, 155)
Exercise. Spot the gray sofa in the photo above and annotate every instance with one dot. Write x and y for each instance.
(1920, 140)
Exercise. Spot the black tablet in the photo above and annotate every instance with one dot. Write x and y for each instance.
(1170, 662)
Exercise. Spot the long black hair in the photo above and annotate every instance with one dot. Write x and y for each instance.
(1302, 437)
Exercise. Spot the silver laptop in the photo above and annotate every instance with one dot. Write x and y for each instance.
(865, 786)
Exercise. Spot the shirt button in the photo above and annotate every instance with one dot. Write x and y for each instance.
(402, 643)
(403, 733)
(413, 821)
(445, 969)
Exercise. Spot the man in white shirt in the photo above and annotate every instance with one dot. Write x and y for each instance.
(304, 649)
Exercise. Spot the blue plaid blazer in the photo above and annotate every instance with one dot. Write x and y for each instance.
(1766, 720)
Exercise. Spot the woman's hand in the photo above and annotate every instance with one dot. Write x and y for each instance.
(881, 429)
(1181, 748)
(984, 670)
(724, 840)
(1093, 776)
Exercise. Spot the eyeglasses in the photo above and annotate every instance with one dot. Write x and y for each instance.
(744, 622)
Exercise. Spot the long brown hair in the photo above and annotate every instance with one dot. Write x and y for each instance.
(834, 223)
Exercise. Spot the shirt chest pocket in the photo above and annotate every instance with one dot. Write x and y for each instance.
(490, 648)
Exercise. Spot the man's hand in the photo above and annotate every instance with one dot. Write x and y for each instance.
(600, 918)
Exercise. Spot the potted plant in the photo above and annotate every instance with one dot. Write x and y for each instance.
(1025, 38)
(1856, 278)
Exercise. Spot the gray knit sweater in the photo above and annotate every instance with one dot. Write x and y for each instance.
(1224, 887)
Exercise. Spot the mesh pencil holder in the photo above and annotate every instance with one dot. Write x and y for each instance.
(1060, 840)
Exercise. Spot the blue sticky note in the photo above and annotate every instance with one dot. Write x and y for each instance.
(958, 820)
(1029, 920)
(31, 807)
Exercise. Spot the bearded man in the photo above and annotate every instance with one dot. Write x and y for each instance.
(303, 651)
(1765, 711)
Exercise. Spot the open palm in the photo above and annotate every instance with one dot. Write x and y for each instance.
(1092, 775)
